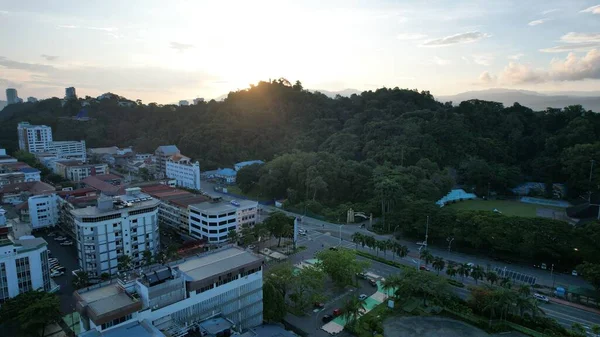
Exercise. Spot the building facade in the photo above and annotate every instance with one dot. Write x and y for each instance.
(222, 285)
(186, 173)
(70, 149)
(11, 96)
(23, 263)
(77, 171)
(34, 138)
(70, 93)
(43, 210)
(31, 174)
(212, 220)
(123, 225)
(162, 154)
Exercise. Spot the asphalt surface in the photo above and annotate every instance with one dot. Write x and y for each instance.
(317, 239)
(67, 257)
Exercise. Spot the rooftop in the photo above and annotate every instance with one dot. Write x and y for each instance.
(215, 325)
(226, 172)
(29, 243)
(102, 186)
(134, 329)
(203, 266)
(94, 210)
(104, 299)
(168, 149)
(209, 206)
(29, 170)
(34, 187)
(104, 150)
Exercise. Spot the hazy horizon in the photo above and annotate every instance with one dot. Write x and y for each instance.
(164, 52)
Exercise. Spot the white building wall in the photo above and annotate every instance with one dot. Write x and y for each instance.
(247, 215)
(34, 138)
(43, 210)
(69, 150)
(186, 175)
(8, 269)
(212, 226)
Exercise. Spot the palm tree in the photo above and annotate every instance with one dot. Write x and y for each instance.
(505, 282)
(524, 290)
(390, 285)
(477, 273)
(492, 277)
(262, 233)
(386, 245)
(426, 256)
(357, 238)
(233, 236)
(400, 250)
(596, 329)
(438, 264)
(451, 272)
(352, 309)
(81, 280)
(463, 270)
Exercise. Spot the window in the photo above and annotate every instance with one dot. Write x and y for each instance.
(222, 223)
(213, 231)
(195, 219)
(23, 274)
(231, 220)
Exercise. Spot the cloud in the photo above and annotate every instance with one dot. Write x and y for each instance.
(516, 56)
(410, 36)
(180, 47)
(483, 60)
(104, 29)
(456, 39)
(67, 26)
(3, 12)
(33, 67)
(572, 68)
(593, 10)
(49, 57)
(487, 78)
(538, 22)
(576, 42)
(549, 11)
(440, 61)
(4, 83)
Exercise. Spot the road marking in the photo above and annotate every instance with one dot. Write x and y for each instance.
(568, 317)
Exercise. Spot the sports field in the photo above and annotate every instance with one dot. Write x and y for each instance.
(507, 207)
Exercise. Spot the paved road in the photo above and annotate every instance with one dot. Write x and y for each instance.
(316, 240)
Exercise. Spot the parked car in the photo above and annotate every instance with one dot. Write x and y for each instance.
(52, 234)
(471, 265)
(66, 243)
(327, 318)
(52, 259)
(361, 275)
(252, 247)
(541, 297)
(59, 268)
(53, 263)
(60, 238)
(56, 273)
(373, 282)
(424, 268)
(362, 297)
(337, 312)
(319, 305)
(574, 273)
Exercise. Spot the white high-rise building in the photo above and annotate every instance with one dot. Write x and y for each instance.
(187, 174)
(70, 149)
(123, 225)
(34, 138)
(212, 220)
(210, 293)
(23, 263)
(70, 93)
(43, 210)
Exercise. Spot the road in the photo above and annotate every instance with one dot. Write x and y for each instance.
(318, 239)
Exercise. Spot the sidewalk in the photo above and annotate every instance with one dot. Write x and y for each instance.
(574, 305)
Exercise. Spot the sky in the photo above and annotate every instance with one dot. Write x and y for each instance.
(164, 51)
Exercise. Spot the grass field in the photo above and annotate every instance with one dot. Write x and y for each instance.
(507, 207)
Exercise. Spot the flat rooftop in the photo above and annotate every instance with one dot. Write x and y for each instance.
(133, 329)
(215, 325)
(203, 266)
(94, 210)
(106, 299)
(224, 206)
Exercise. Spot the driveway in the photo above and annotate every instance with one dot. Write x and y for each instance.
(429, 327)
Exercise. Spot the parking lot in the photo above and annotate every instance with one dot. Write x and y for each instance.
(67, 257)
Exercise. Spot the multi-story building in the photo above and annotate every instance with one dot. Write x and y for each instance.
(23, 263)
(70, 93)
(31, 174)
(212, 220)
(213, 293)
(34, 138)
(43, 210)
(69, 149)
(163, 153)
(11, 177)
(20, 192)
(184, 171)
(117, 226)
(31, 99)
(5, 158)
(77, 171)
(11, 96)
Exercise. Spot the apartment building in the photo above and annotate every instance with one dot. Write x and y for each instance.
(77, 171)
(121, 225)
(162, 154)
(43, 210)
(5, 158)
(184, 171)
(23, 263)
(71, 149)
(215, 294)
(34, 138)
(11, 177)
(212, 220)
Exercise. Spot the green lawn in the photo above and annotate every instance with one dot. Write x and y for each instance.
(507, 207)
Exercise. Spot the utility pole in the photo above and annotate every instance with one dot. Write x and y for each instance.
(423, 244)
(552, 275)
(449, 239)
(591, 171)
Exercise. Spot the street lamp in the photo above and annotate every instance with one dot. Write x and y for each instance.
(449, 240)
(341, 234)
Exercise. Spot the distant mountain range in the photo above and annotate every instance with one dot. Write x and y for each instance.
(345, 92)
(535, 100)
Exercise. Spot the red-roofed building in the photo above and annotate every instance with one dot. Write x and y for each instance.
(103, 186)
(19, 192)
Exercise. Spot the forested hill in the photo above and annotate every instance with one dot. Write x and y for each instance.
(481, 141)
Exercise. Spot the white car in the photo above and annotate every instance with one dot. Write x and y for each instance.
(52, 234)
(56, 274)
(541, 297)
(60, 238)
(362, 297)
(574, 273)
(66, 243)
(52, 259)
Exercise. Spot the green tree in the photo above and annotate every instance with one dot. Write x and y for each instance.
(492, 277)
(451, 272)
(233, 236)
(281, 277)
(438, 264)
(147, 256)
(591, 273)
(341, 265)
(274, 309)
(426, 256)
(477, 273)
(31, 312)
(358, 238)
(306, 287)
(247, 177)
(278, 223)
(464, 270)
(80, 280)
(105, 276)
(145, 174)
(124, 263)
(352, 309)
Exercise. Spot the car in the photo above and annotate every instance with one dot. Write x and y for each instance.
(252, 247)
(471, 265)
(333, 248)
(423, 268)
(60, 238)
(327, 318)
(56, 273)
(541, 297)
(52, 234)
(574, 273)
(361, 275)
(52, 263)
(59, 268)
(66, 243)
(319, 305)
(373, 282)
(303, 233)
(52, 259)
(362, 297)
(337, 312)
